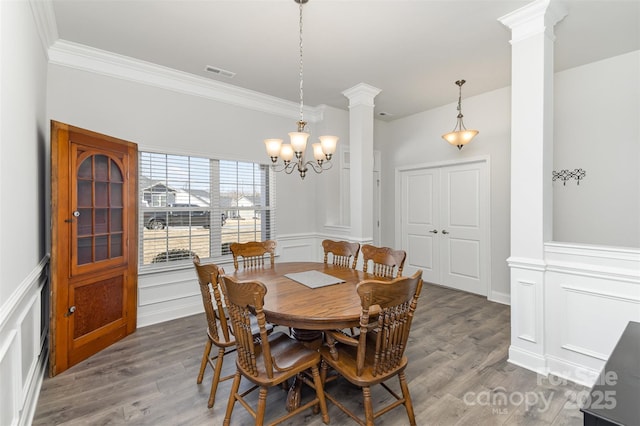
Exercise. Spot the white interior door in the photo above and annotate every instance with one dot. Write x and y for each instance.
(461, 234)
(444, 225)
(420, 222)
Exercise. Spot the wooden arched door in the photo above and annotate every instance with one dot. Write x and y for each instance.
(93, 243)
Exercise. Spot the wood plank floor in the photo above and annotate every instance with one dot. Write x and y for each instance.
(458, 375)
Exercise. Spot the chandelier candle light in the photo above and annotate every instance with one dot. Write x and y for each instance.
(460, 136)
(322, 151)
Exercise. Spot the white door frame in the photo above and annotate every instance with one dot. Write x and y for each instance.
(485, 210)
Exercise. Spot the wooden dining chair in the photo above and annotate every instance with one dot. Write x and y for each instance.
(217, 328)
(253, 253)
(271, 361)
(386, 262)
(377, 354)
(343, 253)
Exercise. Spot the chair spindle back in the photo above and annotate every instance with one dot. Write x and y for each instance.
(253, 253)
(397, 300)
(386, 261)
(344, 253)
(209, 281)
(245, 299)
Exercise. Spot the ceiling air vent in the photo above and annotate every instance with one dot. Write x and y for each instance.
(220, 71)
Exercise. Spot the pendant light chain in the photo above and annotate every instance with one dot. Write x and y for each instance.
(460, 83)
(301, 124)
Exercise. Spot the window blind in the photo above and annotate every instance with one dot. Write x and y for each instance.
(195, 205)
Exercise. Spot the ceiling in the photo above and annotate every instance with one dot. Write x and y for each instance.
(413, 51)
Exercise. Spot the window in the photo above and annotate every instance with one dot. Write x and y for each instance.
(195, 205)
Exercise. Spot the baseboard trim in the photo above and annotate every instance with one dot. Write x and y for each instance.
(572, 372)
(529, 360)
(499, 297)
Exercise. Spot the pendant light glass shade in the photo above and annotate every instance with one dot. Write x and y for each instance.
(460, 136)
(286, 153)
(273, 147)
(298, 141)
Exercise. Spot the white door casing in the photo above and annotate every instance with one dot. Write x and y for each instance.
(452, 199)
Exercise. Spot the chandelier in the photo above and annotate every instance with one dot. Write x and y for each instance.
(460, 136)
(322, 151)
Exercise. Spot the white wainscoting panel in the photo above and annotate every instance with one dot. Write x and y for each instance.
(168, 295)
(22, 347)
(9, 390)
(298, 248)
(29, 323)
(591, 293)
(526, 316)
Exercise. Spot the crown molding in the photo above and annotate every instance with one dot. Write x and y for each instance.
(85, 58)
(361, 94)
(45, 19)
(538, 17)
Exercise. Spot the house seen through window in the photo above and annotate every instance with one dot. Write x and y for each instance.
(195, 205)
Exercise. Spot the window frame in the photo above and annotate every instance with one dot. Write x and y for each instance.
(263, 183)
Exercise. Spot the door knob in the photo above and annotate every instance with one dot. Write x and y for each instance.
(70, 311)
(434, 231)
(444, 232)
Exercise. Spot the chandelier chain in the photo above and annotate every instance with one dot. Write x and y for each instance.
(293, 153)
(301, 72)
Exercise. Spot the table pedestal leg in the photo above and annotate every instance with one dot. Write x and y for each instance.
(312, 339)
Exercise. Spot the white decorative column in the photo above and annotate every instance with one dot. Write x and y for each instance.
(361, 159)
(531, 171)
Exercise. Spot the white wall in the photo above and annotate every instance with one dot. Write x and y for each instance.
(597, 129)
(417, 140)
(174, 121)
(597, 121)
(170, 121)
(24, 160)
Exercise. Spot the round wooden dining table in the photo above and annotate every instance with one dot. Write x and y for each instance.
(308, 310)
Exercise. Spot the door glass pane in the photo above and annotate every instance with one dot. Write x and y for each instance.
(102, 248)
(85, 170)
(102, 167)
(116, 220)
(101, 221)
(116, 174)
(84, 250)
(84, 192)
(102, 194)
(116, 245)
(100, 204)
(115, 200)
(84, 221)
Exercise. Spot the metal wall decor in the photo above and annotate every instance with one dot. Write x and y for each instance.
(565, 175)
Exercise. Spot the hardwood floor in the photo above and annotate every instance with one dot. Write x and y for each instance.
(458, 375)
